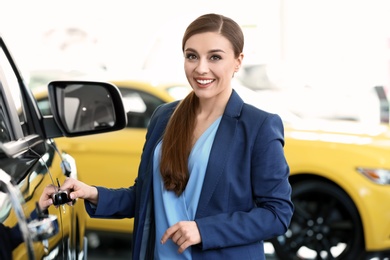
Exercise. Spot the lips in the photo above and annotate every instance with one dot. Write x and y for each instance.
(204, 81)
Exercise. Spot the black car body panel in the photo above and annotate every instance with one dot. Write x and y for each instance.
(30, 160)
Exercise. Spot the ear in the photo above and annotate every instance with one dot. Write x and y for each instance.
(239, 62)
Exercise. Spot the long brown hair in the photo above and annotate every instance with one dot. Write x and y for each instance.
(178, 136)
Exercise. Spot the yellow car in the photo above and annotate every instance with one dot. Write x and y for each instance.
(340, 174)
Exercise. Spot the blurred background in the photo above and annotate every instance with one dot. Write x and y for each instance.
(337, 45)
(309, 48)
(318, 58)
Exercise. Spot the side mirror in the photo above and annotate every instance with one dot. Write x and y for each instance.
(84, 108)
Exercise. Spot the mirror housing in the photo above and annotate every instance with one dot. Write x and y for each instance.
(84, 108)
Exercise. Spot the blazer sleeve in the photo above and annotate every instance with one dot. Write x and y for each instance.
(122, 202)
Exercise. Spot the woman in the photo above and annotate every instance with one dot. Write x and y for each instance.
(213, 178)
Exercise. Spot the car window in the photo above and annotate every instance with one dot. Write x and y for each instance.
(179, 92)
(44, 106)
(142, 107)
(4, 126)
(11, 91)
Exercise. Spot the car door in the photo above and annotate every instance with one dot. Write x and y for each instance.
(28, 163)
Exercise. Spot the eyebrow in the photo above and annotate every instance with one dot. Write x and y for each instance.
(210, 51)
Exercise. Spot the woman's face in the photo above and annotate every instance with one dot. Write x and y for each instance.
(210, 64)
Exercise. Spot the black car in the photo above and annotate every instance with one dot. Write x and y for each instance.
(30, 160)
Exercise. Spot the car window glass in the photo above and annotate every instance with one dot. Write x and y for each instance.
(8, 79)
(139, 107)
(4, 127)
(179, 92)
(133, 102)
(44, 106)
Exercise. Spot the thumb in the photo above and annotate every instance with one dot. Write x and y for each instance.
(75, 194)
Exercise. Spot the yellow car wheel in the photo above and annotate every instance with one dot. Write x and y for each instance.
(325, 225)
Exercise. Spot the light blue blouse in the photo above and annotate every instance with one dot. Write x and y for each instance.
(169, 208)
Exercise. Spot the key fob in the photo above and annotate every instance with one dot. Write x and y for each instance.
(60, 198)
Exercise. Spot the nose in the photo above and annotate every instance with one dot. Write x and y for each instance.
(202, 67)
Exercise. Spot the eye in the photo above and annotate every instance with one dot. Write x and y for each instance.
(191, 56)
(215, 57)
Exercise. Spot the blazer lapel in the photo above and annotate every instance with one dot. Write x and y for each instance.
(220, 151)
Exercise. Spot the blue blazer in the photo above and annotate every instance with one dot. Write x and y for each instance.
(246, 195)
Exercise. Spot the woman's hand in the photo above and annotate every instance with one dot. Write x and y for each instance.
(77, 189)
(183, 234)
(45, 201)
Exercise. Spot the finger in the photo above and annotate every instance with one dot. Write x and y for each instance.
(75, 195)
(169, 233)
(184, 246)
(50, 189)
(46, 197)
(165, 237)
(178, 239)
(45, 204)
(68, 184)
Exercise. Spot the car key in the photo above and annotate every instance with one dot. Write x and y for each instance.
(60, 197)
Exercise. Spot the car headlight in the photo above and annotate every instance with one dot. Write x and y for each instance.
(380, 176)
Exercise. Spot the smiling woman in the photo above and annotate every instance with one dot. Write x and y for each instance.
(316, 151)
(180, 144)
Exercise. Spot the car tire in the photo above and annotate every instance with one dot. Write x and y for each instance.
(325, 225)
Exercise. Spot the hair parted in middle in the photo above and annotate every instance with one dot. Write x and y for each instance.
(178, 135)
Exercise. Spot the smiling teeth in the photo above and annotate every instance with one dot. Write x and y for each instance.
(203, 82)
